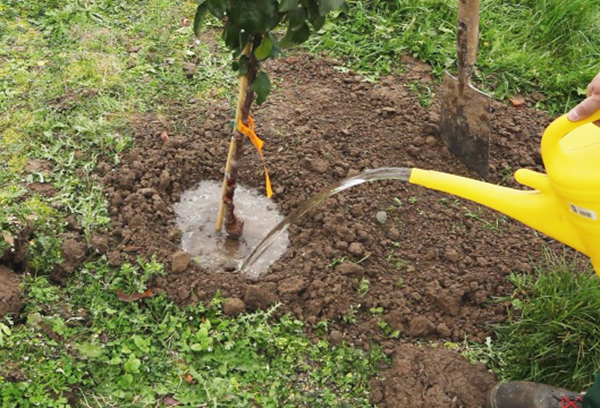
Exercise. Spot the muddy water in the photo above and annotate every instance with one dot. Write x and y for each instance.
(196, 215)
(255, 259)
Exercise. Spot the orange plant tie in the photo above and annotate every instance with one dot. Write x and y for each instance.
(249, 131)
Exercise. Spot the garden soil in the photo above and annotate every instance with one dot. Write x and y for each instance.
(435, 271)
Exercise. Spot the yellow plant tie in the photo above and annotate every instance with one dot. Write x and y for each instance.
(249, 131)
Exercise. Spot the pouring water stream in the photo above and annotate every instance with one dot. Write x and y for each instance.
(384, 173)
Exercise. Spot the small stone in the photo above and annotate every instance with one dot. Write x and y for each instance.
(180, 261)
(292, 286)
(336, 337)
(99, 243)
(448, 303)
(443, 330)
(165, 180)
(126, 179)
(350, 269)
(421, 326)
(258, 298)
(393, 234)
(234, 307)
(175, 234)
(356, 249)
(147, 192)
(430, 141)
(381, 217)
(114, 258)
(319, 166)
(452, 255)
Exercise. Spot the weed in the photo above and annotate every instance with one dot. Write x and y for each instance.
(399, 283)
(117, 353)
(412, 200)
(363, 287)
(551, 336)
(350, 317)
(424, 93)
(376, 311)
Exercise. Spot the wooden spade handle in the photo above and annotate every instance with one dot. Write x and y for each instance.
(466, 43)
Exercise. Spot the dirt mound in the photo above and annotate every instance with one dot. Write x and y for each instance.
(431, 378)
(10, 294)
(431, 270)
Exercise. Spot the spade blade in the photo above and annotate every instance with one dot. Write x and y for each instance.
(465, 124)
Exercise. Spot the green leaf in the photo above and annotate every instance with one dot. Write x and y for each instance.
(301, 35)
(262, 87)
(264, 49)
(254, 16)
(244, 65)
(141, 343)
(325, 6)
(126, 380)
(318, 23)
(287, 5)
(88, 350)
(132, 365)
(199, 17)
(202, 333)
(276, 47)
(296, 18)
(196, 347)
(217, 7)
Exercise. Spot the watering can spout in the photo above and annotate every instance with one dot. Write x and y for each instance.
(539, 208)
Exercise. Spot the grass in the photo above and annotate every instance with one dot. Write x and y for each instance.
(84, 340)
(68, 87)
(549, 46)
(72, 75)
(74, 72)
(552, 335)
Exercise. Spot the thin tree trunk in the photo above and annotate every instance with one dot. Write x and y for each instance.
(234, 226)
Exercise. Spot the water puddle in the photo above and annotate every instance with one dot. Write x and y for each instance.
(196, 216)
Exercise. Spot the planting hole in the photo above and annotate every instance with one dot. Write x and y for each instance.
(196, 217)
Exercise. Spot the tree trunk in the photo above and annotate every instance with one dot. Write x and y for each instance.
(234, 226)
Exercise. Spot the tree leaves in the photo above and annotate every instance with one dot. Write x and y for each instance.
(199, 18)
(288, 5)
(262, 87)
(217, 8)
(254, 20)
(264, 49)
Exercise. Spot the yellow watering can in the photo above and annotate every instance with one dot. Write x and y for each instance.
(564, 203)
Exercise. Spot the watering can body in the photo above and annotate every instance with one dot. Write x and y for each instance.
(563, 204)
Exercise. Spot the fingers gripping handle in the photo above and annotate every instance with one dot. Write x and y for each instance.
(558, 129)
(467, 35)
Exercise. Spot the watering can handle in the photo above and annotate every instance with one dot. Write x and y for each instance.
(558, 129)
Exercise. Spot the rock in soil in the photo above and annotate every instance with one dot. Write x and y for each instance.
(234, 307)
(10, 294)
(425, 377)
(180, 261)
(259, 298)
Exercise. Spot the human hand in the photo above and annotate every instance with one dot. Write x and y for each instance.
(589, 105)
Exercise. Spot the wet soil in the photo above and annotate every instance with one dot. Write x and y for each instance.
(432, 271)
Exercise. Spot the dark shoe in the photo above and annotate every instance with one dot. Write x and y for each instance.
(523, 394)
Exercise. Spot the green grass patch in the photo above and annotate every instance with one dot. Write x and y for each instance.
(549, 46)
(552, 336)
(84, 340)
